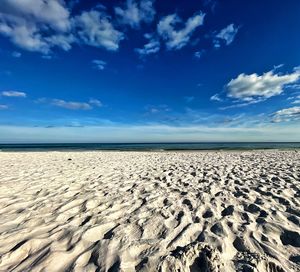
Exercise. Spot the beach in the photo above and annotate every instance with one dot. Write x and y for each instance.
(150, 211)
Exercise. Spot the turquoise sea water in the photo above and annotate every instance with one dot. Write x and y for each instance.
(147, 146)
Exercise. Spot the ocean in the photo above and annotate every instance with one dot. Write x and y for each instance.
(149, 146)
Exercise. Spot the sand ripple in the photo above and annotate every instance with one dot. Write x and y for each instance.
(148, 211)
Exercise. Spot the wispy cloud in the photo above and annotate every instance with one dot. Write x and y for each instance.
(99, 64)
(238, 105)
(71, 105)
(216, 97)
(189, 99)
(157, 108)
(3, 107)
(152, 47)
(225, 35)
(293, 86)
(295, 99)
(176, 39)
(135, 12)
(13, 94)
(16, 54)
(211, 3)
(199, 54)
(276, 67)
(95, 102)
(47, 57)
(286, 115)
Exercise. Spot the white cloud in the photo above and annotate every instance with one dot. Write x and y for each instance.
(41, 25)
(216, 97)
(285, 115)
(13, 94)
(176, 39)
(50, 12)
(94, 28)
(95, 102)
(227, 35)
(152, 47)
(256, 88)
(136, 12)
(99, 64)
(27, 22)
(3, 107)
(71, 105)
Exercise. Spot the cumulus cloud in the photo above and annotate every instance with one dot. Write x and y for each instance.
(152, 47)
(95, 29)
(176, 38)
(34, 24)
(255, 88)
(226, 35)
(41, 25)
(3, 107)
(71, 105)
(99, 64)
(285, 115)
(134, 13)
(13, 94)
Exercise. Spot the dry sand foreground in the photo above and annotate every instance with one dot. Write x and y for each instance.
(143, 211)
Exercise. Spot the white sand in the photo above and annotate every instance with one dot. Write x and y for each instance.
(142, 211)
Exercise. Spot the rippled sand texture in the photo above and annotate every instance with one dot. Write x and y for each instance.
(142, 211)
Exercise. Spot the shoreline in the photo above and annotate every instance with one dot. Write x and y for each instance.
(148, 150)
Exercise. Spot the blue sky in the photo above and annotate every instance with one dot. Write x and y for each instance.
(149, 71)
